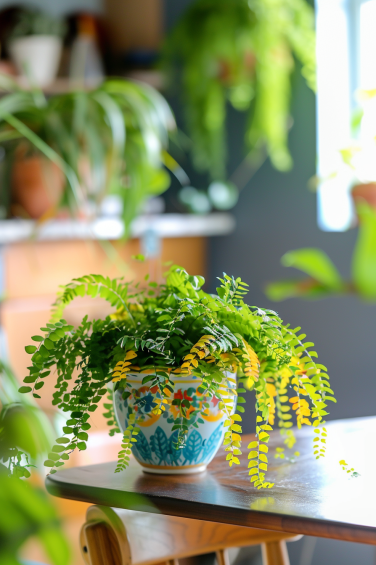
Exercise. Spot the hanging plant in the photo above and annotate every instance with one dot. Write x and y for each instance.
(241, 52)
(178, 359)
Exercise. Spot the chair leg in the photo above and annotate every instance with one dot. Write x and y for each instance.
(275, 553)
(102, 547)
(222, 557)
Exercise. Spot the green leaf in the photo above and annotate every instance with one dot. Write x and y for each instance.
(316, 264)
(30, 349)
(364, 257)
(37, 338)
(44, 352)
(30, 379)
(49, 463)
(24, 389)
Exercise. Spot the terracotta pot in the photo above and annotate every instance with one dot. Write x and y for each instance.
(365, 192)
(37, 186)
(155, 447)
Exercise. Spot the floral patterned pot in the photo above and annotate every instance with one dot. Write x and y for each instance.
(154, 449)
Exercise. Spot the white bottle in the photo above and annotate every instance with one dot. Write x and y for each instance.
(85, 62)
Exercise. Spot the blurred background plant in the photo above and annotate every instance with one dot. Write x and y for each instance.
(323, 277)
(26, 511)
(68, 151)
(35, 22)
(243, 53)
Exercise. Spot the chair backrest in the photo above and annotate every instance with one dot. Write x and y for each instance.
(113, 536)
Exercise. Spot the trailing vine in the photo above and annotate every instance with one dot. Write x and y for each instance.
(178, 329)
(240, 53)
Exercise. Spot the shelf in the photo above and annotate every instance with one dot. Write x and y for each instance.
(62, 85)
(111, 228)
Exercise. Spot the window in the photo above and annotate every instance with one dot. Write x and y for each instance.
(346, 47)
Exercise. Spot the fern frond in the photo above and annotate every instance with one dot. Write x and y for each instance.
(113, 291)
(129, 437)
(123, 367)
(199, 351)
(250, 363)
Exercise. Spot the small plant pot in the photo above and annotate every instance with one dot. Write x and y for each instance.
(37, 187)
(155, 448)
(365, 193)
(37, 57)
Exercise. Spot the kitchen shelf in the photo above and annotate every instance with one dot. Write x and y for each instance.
(111, 228)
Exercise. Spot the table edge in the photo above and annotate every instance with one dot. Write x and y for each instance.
(213, 513)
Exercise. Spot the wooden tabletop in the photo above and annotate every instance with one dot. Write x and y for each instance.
(309, 497)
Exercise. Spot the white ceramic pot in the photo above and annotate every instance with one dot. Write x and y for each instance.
(155, 449)
(37, 57)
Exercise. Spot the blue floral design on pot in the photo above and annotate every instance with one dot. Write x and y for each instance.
(155, 448)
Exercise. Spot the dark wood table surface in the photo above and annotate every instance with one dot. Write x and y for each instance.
(309, 497)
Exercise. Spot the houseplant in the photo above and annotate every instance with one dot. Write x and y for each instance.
(109, 139)
(35, 45)
(240, 52)
(176, 332)
(25, 435)
(323, 277)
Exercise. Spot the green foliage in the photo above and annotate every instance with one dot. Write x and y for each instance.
(324, 279)
(26, 511)
(177, 328)
(316, 264)
(25, 431)
(240, 52)
(112, 139)
(35, 22)
(364, 257)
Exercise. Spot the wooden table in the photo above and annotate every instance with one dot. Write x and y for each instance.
(310, 497)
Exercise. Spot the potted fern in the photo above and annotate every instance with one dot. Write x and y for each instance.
(175, 361)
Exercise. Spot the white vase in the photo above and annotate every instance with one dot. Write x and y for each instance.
(37, 57)
(154, 449)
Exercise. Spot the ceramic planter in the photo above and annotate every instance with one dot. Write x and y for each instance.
(37, 57)
(155, 449)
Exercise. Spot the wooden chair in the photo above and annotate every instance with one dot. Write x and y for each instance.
(112, 536)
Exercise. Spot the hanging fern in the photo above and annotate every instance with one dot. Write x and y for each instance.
(177, 328)
(241, 52)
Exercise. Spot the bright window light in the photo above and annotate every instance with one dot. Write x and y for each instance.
(346, 47)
